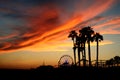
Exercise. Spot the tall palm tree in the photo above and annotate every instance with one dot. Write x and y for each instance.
(88, 33)
(73, 35)
(83, 41)
(78, 42)
(97, 37)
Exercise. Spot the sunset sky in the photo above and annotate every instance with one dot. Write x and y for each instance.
(33, 32)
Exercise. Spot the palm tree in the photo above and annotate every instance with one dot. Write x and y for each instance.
(97, 37)
(73, 35)
(88, 33)
(78, 42)
(83, 41)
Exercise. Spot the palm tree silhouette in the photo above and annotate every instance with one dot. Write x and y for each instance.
(83, 41)
(73, 35)
(97, 37)
(78, 42)
(88, 34)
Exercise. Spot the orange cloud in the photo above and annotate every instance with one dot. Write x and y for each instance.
(50, 24)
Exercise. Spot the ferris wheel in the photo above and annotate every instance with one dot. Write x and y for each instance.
(65, 60)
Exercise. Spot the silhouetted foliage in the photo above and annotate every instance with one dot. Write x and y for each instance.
(117, 60)
(73, 35)
(88, 32)
(113, 61)
(86, 35)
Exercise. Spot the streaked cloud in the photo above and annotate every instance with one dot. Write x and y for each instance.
(49, 23)
(110, 26)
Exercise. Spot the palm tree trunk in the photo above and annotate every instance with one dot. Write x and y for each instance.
(74, 50)
(97, 50)
(89, 53)
(79, 55)
(84, 62)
